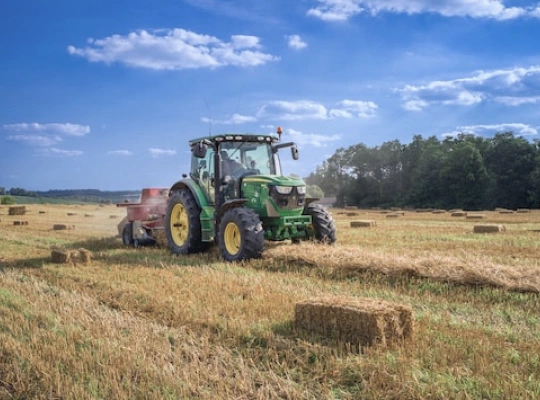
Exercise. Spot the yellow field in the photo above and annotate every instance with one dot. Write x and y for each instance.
(141, 323)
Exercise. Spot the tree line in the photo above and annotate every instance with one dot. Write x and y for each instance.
(466, 171)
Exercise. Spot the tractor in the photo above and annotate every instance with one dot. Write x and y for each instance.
(237, 197)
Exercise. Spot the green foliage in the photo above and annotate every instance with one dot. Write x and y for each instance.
(466, 172)
(7, 200)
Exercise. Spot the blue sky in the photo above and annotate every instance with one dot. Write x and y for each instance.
(106, 94)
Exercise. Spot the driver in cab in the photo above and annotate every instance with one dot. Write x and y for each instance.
(230, 167)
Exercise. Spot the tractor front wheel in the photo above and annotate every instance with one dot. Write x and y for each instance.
(241, 236)
(324, 228)
(182, 224)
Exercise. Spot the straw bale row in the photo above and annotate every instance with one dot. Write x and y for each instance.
(458, 214)
(362, 321)
(71, 256)
(61, 227)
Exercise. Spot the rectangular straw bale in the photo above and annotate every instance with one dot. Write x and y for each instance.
(17, 210)
(60, 256)
(438, 212)
(523, 210)
(475, 216)
(365, 322)
(393, 215)
(458, 214)
(489, 228)
(363, 224)
(506, 212)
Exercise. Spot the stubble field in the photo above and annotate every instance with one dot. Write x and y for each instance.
(141, 323)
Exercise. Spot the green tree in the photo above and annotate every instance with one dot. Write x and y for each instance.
(7, 200)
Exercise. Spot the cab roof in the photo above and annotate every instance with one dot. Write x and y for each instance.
(236, 137)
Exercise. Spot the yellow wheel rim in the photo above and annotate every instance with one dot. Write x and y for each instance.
(232, 238)
(179, 224)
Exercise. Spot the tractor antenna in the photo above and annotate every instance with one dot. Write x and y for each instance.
(209, 117)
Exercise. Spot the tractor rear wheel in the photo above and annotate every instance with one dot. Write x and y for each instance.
(127, 234)
(324, 228)
(241, 236)
(183, 224)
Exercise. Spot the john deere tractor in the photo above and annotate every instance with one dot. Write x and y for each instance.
(236, 195)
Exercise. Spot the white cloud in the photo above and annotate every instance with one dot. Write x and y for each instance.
(480, 130)
(55, 152)
(342, 10)
(176, 49)
(296, 42)
(512, 87)
(235, 119)
(155, 153)
(36, 140)
(66, 128)
(311, 139)
(120, 153)
(352, 108)
(305, 109)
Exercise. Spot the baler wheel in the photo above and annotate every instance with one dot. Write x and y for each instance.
(182, 224)
(241, 236)
(127, 234)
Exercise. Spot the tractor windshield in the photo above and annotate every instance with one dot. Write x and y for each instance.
(257, 158)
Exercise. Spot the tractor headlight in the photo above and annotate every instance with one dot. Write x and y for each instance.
(283, 189)
(301, 189)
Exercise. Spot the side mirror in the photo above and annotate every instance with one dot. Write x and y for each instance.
(294, 152)
(199, 150)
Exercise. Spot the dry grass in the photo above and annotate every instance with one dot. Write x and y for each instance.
(140, 323)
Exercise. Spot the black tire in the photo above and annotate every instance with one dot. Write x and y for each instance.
(240, 235)
(183, 224)
(127, 234)
(324, 228)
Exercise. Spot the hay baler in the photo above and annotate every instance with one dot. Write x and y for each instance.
(144, 218)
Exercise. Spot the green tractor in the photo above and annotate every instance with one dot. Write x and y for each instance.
(237, 197)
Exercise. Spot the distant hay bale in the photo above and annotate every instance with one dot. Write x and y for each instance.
(363, 224)
(88, 215)
(458, 214)
(42, 212)
(17, 210)
(523, 210)
(438, 212)
(489, 228)
(70, 214)
(61, 227)
(393, 215)
(20, 222)
(365, 322)
(114, 216)
(62, 256)
(351, 214)
(506, 212)
(475, 216)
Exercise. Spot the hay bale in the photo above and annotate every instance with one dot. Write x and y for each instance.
(70, 214)
(42, 212)
(81, 255)
(365, 322)
(351, 214)
(393, 215)
(88, 215)
(114, 216)
(60, 256)
(438, 212)
(506, 212)
(489, 228)
(458, 214)
(475, 216)
(59, 227)
(20, 222)
(363, 224)
(17, 210)
(523, 210)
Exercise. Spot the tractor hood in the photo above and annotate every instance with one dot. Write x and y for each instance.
(275, 180)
